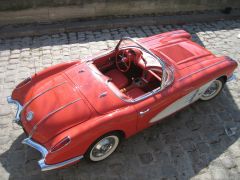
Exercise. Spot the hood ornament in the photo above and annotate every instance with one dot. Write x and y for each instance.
(29, 115)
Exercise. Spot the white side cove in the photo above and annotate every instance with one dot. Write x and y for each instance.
(180, 103)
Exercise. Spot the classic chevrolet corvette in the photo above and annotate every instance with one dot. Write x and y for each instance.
(85, 108)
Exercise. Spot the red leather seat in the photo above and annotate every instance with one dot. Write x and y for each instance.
(118, 78)
(135, 92)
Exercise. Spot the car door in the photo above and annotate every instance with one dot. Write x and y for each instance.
(150, 107)
(165, 103)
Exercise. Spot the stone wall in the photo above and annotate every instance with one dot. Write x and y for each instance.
(22, 11)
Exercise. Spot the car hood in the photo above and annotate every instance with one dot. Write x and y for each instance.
(183, 54)
(50, 106)
(176, 48)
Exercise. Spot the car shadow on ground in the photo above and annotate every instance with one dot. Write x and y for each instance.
(182, 147)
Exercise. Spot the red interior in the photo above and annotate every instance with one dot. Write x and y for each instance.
(118, 78)
(137, 80)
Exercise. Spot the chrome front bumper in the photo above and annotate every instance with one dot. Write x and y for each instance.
(44, 152)
(19, 108)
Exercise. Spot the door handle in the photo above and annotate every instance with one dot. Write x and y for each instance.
(143, 112)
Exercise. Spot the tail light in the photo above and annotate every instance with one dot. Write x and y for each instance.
(64, 142)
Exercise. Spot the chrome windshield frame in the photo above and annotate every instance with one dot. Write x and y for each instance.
(162, 63)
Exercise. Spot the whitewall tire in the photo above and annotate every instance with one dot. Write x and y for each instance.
(213, 90)
(103, 147)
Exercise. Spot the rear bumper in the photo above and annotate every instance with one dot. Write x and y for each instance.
(19, 108)
(44, 152)
(39, 147)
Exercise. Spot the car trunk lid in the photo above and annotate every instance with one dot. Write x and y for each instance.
(92, 84)
(57, 107)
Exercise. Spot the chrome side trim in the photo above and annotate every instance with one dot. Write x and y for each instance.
(41, 93)
(233, 77)
(50, 114)
(19, 108)
(47, 167)
(184, 77)
(44, 152)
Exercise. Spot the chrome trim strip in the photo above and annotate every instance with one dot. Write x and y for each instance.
(47, 167)
(19, 108)
(184, 77)
(233, 77)
(41, 93)
(44, 152)
(50, 114)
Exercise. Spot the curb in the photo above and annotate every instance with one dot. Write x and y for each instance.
(13, 31)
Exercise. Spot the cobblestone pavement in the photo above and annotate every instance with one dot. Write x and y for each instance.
(192, 144)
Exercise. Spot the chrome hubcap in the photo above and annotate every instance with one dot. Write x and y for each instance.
(212, 89)
(104, 148)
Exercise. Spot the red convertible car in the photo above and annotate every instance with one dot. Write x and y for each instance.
(85, 108)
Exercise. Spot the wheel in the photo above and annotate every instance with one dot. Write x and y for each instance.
(213, 90)
(103, 147)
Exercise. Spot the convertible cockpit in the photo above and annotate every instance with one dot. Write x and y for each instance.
(131, 68)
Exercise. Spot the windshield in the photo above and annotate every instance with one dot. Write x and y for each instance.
(148, 55)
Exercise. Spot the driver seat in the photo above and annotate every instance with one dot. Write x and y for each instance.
(118, 78)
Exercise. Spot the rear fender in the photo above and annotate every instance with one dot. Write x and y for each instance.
(84, 134)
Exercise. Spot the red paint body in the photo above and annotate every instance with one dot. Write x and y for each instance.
(91, 116)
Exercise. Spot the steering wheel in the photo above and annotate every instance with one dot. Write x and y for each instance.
(123, 60)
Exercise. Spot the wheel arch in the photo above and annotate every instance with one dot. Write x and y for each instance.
(120, 133)
(224, 77)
